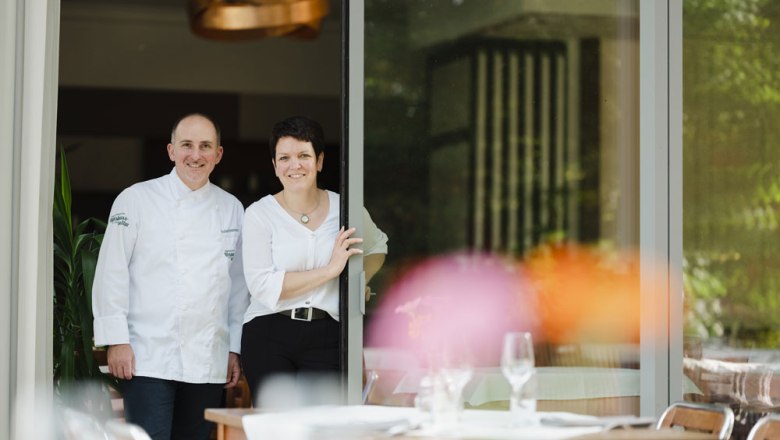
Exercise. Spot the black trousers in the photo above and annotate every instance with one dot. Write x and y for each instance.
(167, 409)
(276, 343)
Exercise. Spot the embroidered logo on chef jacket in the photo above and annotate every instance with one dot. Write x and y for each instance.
(229, 238)
(119, 219)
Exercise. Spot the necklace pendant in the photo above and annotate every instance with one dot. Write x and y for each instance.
(304, 218)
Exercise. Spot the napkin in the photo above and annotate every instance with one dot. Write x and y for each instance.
(569, 419)
(328, 422)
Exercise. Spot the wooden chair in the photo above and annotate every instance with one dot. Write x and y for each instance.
(117, 403)
(238, 396)
(698, 417)
(767, 428)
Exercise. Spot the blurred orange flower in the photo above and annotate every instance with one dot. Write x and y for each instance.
(584, 294)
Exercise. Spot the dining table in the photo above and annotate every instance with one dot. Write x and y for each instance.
(369, 422)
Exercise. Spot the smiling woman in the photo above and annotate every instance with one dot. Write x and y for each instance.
(295, 248)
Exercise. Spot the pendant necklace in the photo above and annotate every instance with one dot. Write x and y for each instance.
(304, 218)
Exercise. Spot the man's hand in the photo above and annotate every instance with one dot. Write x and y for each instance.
(121, 361)
(233, 370)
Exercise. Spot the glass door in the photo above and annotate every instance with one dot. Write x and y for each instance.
(507, 132)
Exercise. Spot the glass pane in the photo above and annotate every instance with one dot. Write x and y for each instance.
(508, 130)
(731, 193)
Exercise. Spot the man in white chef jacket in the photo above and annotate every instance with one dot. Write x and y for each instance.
(169, 292)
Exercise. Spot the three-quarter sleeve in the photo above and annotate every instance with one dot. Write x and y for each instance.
(374, 240)
(262, 278)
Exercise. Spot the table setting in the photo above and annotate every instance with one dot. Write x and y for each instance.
(439, 409)
(368, 421)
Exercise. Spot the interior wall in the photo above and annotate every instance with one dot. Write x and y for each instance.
(129, 70)
(118, 45)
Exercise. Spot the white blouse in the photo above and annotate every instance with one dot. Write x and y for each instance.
(275, 243)
(169, 279)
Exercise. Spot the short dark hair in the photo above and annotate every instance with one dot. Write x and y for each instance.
(202, 115)
(300, 128)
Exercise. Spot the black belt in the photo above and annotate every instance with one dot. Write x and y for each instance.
(305, 313)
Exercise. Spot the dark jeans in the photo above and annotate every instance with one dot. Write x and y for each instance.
(277, 344)
(171, 410)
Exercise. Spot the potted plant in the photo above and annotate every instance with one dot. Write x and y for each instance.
(75, 258)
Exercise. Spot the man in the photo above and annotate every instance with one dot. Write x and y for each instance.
(169, 294)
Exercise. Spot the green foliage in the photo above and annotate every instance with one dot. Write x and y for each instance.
(731, 103)
(75, 258)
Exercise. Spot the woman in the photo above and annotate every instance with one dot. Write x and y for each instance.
(294, 249)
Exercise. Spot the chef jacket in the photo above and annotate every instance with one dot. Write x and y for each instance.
(169, 279)
(276, 243)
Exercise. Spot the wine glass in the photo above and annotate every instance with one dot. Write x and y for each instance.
(453, 369)
(517, 364)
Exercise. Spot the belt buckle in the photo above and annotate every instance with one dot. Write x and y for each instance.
(305, 311)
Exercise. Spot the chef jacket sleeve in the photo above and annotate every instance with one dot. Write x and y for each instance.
(111, 287)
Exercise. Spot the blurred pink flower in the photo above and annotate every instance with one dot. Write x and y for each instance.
(460, 302)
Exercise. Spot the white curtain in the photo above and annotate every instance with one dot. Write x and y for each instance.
(29, 44)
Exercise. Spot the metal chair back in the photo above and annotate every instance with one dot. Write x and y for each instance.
(767, 428)
(699, 417)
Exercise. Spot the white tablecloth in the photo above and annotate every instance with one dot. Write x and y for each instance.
(552, 383)
(344, 422)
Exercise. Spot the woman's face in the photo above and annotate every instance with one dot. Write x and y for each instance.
(295, 164)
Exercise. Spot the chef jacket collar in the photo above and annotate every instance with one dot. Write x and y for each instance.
(181, 191)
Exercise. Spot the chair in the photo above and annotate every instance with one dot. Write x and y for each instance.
(371, 377)
(239, 396)
(117, 402)
(383, 370)
(700, 417)
(767, 428)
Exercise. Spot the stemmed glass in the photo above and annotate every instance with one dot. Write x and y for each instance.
(517, 364)
(452, 369)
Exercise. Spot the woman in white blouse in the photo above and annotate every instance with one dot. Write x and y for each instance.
(294, 249)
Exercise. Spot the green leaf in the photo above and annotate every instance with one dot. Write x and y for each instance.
(65, 188)
(88, 266)
(75, 258)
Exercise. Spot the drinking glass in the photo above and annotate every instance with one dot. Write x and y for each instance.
(452, 370)
(517, 364)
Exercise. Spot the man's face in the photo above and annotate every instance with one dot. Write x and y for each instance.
(195, 151)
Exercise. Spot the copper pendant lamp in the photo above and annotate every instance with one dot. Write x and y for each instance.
(252, 19)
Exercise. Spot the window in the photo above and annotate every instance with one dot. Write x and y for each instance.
(509, 128)
(730, 198)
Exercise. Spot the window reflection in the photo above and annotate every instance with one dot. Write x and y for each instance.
(509, 128)
(730, 106)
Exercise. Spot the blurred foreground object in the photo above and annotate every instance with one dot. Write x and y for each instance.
(453, 308)
(77, 412)
(251, 19)
(585, 294)
(284, 392)
(119, 430)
